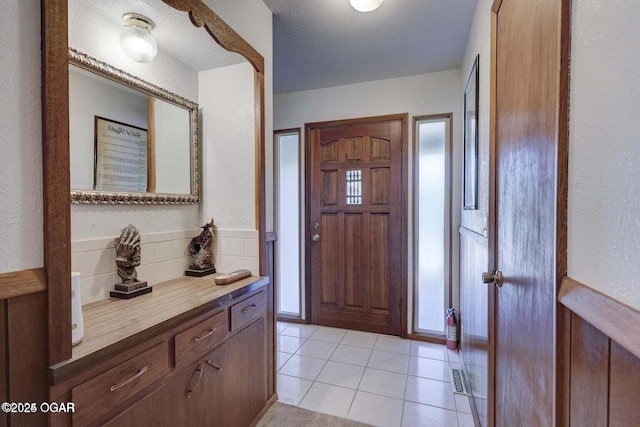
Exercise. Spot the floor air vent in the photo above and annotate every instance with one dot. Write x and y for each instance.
(457, 381)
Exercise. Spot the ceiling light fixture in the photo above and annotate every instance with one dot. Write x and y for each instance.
(365, 5)
(136, 40)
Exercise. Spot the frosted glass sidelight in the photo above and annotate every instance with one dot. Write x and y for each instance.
(288, 223)
(431, 271)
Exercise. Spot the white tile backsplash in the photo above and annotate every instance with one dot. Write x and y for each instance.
(164, 256)
(251, 248)
(93, 263)
(231, 246)
(180, 247)
(147, 253)
(163, 251)
(227, 264)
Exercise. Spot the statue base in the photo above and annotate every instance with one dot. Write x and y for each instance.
(199, 273)
(127, 291)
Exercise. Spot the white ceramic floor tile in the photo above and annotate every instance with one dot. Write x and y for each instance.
(430, 350)
(465, 420)
(359, 339)
(376, 410)
(367, 376)
(350, 354)
(324, 333)
(393, 344)
(303, 367)
(386, 383)
(462, 403)
(300, 331)
(386, 361)
(415, 415)
(429, 368)
(319, 349)
(282, 358)
(430, 392)
(289, 344)
(341, 374)
(281, 326)
(291, 390)
(329, 399)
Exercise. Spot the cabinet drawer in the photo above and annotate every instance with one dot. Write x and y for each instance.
(245, 311)
(202, 337)
(97, 396)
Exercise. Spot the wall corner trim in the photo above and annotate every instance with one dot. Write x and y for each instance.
(22, 282)
(613, 318)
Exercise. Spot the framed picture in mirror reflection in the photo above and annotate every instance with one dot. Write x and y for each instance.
(121, 156)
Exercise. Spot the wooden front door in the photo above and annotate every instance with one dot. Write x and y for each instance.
(355, 223)
(528, 208)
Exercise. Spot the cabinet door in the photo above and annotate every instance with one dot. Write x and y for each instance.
(180, 402)
(236, 387)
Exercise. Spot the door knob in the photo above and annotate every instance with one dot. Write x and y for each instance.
(496, 278)
(315, 237)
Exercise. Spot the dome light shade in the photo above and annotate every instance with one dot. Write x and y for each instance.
(136, 39)
(365, 5)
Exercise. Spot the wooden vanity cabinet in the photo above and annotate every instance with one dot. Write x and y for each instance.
(237, 388)
(208, 370)
(170, 405)
(228, 388)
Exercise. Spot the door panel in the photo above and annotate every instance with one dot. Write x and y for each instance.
(526, 246)
(355, 196)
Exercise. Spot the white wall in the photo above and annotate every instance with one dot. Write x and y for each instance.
(228, 140)
(604, 148)
(417, 95)
(480, 43)
(253, 20)
(20, 137)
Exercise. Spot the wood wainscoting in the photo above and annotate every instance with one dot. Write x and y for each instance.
(604, 358)
(23, 356)
(474, 318)
(23, 338)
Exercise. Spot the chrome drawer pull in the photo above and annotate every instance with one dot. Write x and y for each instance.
(214, 365)
(206, 335)
(133, 378)
(248, 308)
(193, 387)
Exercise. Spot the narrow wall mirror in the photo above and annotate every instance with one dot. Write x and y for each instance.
(131, 142)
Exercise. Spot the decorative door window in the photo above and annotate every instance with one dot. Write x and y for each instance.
(354, 187)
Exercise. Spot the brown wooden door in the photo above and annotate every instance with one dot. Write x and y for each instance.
(355, 211)
(528, 242)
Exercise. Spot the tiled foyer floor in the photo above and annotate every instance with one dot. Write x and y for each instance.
(375, 379)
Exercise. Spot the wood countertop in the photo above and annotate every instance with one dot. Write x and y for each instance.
(113, 325)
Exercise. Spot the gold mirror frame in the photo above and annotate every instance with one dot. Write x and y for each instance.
(81, 197)
(55, 155)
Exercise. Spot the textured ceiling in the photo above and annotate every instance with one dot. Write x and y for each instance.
(173, 30)
(326, 43)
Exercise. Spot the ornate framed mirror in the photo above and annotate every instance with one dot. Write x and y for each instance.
(153, 158)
